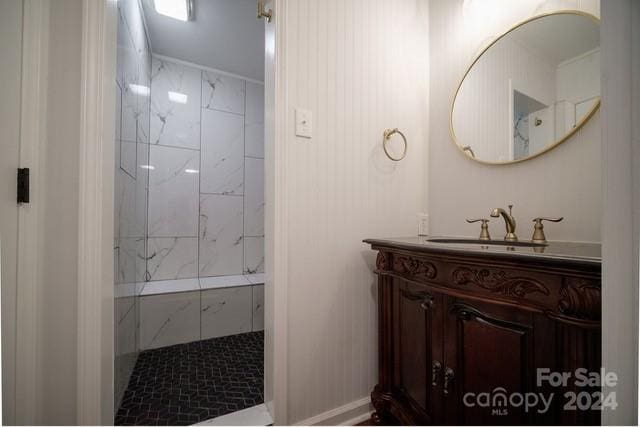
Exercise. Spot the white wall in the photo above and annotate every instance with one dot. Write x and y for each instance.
(564, 182)
(578, 79)
(360, 66)
(621, 186)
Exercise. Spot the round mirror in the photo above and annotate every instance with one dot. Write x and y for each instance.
(530, 90)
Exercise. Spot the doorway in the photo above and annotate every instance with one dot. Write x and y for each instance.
(188, 211)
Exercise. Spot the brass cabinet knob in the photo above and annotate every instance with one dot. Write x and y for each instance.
(428, 302)
(449, 375)
(436, 368)
(538, 229)
(484, 228)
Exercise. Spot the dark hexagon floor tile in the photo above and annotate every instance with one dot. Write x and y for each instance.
(189, 383)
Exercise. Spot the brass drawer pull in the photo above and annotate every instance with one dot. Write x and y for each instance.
(449, 375)
(436, 368)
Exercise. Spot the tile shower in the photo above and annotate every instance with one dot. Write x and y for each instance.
(206, 206)
(189, 219)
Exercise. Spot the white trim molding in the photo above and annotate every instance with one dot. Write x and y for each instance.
(347, 415)
(204, 67)
(33, 130)
(95, 221)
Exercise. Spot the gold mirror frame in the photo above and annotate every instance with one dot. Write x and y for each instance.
(585, 119)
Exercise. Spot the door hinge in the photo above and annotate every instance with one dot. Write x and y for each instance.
(23, 185)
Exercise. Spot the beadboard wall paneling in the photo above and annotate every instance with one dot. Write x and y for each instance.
(360, 66)
(564, 182)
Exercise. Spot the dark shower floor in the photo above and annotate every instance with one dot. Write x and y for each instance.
(189, 383)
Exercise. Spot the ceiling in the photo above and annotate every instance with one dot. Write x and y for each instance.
(559, 37)
(225, 35)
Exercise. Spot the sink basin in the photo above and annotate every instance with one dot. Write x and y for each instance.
(463, 241)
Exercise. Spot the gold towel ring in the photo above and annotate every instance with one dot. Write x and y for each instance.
(387, 135)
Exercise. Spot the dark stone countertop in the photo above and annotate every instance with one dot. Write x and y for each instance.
(587, 254)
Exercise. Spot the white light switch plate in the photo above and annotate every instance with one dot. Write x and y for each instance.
(304, 123)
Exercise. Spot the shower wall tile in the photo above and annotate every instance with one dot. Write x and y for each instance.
(125, 204)
(142, 189)
(253, 255)
(226, 312)
(223, 282)
(127, 255)
(221, 92)
(125, 347)
(130, 10)
(128, 130)
(222, 153)
(256, 279)
(173, 192)
(143, 97)
(141, 263)
(169, 319)
(175, 104)
(128, 160)
(131, 185)
(258, 308)
(118, 115)
(162, 287)
(126, 68)
(254, 121)
(254, 197)
(221, 245)
(172, 258)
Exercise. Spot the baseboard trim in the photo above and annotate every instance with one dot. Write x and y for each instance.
(346, 415)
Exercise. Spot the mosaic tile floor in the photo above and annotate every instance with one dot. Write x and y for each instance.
(189, 383)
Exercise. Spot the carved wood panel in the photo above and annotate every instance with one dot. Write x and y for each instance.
(581, 298)
(498, 282)
(416, 267)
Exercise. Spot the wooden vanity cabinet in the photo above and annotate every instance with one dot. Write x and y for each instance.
(452, 325)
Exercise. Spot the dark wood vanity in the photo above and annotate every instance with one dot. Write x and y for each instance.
(456, 321)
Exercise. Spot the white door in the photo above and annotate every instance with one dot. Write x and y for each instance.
(10, 52)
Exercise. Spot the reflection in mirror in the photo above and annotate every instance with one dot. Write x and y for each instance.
(530, 90)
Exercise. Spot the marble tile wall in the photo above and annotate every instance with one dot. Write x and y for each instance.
(206, 196)
(189, 314)
(133, 78)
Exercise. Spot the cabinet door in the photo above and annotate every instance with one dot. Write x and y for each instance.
(418, 326)
(488, 349)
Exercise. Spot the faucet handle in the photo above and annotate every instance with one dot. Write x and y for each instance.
(484, 228)
(538, 229)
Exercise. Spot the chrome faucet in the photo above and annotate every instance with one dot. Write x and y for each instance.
(509, 221)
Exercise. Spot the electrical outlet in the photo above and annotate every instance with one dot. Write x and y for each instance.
(423, 224)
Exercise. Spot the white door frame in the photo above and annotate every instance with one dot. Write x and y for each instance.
(276, 215)
(95, 263)
(95, 221)
(33, 127)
